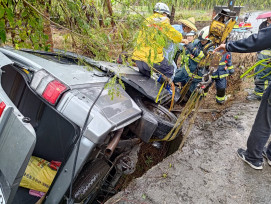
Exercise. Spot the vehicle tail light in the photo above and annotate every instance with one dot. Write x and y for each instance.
(2, 108)
(53, 90)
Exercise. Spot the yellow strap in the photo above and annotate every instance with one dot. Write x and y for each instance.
(159, 92)
(173, 95)
(254, 66)
(265, 75)
(204, 94)
(222, 63)
(26, 71)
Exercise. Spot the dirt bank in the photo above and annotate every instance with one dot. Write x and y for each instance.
(207, 170)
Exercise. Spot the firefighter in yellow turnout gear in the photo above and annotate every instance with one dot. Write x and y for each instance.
(155, 35)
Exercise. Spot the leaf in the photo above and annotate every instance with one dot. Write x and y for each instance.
(144, 196)
(2, 12)
(3, 35)
(24, 13)
(17, 46)
(164, 175)
(19, 22)
(2, 24)
(34, 38)
(10, 15)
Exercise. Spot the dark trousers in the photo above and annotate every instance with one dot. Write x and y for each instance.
(164, 67)
(221, 85)
(261, 130)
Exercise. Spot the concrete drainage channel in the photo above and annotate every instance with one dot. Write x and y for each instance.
(207, 170)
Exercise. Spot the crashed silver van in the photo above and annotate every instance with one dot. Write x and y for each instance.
(44, 102)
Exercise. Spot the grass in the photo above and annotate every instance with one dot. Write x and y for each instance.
(199, 15)
(180, 13)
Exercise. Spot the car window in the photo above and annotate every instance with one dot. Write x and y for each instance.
(59, 58)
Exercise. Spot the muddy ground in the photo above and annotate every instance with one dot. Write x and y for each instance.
(207, 170)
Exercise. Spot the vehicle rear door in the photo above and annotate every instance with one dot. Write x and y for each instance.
(17, 142)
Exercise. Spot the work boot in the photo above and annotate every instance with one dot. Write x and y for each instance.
(253, 96)
(221, 102)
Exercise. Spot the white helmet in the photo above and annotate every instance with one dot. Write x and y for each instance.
(204, 33)
(161, 8)
(192, 33)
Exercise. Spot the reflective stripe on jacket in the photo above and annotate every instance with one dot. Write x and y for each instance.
(153, 37)
(225, 65)
(190, 74)
(195, 52)
(266, 52)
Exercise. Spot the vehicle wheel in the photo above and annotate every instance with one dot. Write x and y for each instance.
(89, 181)
(166, 120)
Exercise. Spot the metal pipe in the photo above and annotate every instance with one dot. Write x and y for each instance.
(113, 143)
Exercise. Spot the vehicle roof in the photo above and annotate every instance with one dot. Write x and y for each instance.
(70, 74)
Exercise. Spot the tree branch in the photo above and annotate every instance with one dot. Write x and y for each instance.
(56, 24)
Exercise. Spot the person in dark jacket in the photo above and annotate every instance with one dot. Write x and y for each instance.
(265, 24)
(262, 79)
(195, 52)
(261, 129)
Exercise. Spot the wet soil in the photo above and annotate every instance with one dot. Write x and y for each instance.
(207, 169)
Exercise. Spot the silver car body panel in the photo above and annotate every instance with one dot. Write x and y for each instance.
(4, 60)
(130, 75)
(17, 142)
(112, 113)
(62, 182)
(107, 115)
(84, 87)
(119, 69)
(71, 75)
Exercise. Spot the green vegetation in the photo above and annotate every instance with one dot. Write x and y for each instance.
(199, 15)
(99, 28)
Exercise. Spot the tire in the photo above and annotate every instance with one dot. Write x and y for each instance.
(89, 181)
(166, 120)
